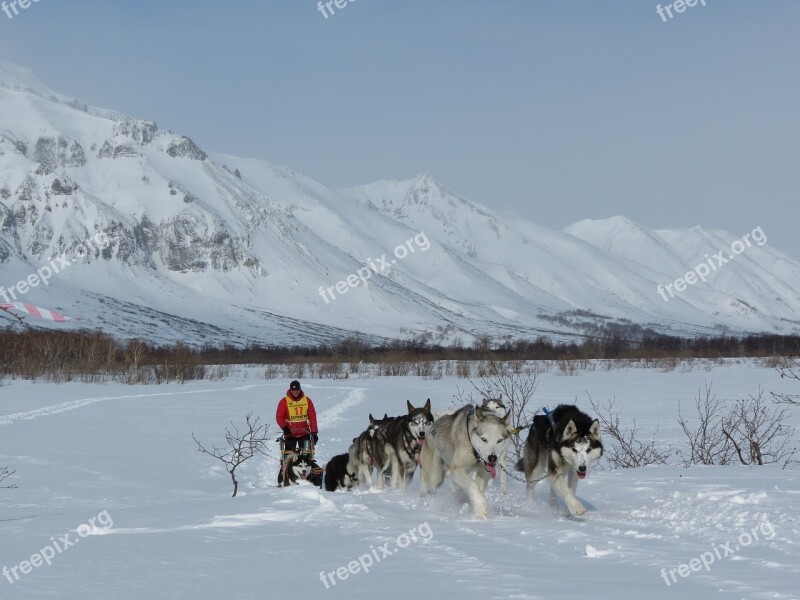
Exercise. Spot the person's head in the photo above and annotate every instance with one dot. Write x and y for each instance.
(294, 389)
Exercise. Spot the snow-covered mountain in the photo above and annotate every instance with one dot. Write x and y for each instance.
(212, 248)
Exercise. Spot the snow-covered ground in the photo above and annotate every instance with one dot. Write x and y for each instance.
(80, 450)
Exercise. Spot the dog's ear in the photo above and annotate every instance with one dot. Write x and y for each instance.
(371, 418)
(427, 407)
(479, 413)
(411, 408)
(594, 430)
(570, 430)
(385, 416)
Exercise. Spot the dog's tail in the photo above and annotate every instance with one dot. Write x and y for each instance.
(520, 466)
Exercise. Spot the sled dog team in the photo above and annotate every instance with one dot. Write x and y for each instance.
(468, 444)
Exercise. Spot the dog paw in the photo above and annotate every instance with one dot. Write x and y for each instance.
(480, 508)
(576, 508)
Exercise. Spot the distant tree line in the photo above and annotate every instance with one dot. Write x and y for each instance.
(67, 355)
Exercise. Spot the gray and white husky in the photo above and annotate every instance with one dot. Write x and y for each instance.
(405, 438)
(562, 445)
(469, 441)
(368, 451)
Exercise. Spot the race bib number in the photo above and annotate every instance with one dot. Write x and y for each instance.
(298, 411)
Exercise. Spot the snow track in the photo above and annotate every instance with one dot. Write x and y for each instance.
(178, 534)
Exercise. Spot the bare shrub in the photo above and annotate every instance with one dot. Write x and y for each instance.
(422, 368)
(272, 372)
(242, 446)
(568, 368)
(751, 431)
(5, 473)
(706, 444)
(219, 372)
(297, 370)
(627, 451)
(463, 369)
(759, 433)
(789, 368)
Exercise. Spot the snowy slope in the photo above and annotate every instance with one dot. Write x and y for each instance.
(207, 247)
(178, 535)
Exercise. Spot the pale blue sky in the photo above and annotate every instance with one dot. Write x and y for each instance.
(557, 110)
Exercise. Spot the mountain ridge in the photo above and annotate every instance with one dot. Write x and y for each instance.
(241, 246)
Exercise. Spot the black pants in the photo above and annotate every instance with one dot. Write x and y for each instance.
(292, 444)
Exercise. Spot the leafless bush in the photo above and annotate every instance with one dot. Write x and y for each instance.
(789, 368)
(272, 372)
(395, 369)
(750, 431)
(219, 372)
(422, 368)
(5, 473)
(759, 433)
(628, 451)
(567, 367)
(706, 444)
(242, 446)
(463, 369)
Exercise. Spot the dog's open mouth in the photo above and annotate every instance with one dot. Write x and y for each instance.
(581, 474)
(492, 470)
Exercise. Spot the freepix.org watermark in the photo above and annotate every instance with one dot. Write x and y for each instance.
(419, 534)
(339, 4)
(364, 274)
(665, 12)
(718, 552)
(11, 7)
(712, 263)
(103, 521)
(55, 266)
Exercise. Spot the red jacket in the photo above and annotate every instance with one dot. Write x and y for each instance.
(298, 415)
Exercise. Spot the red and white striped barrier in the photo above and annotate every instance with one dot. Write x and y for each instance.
(36, 311)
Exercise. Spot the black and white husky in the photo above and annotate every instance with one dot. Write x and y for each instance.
(340, 474)
(368, 452)
(562, 445)
(296, 467)
(405, 437)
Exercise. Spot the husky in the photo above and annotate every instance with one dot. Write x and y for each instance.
(368, 451)
(562, 445)
(296, 467)
(471, 440)
(340, 474)
(499, 409)
(405, 437)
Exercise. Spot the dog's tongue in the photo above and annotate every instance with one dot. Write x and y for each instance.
(581, 475)
(303, 477)
(492, 470)
(421, 441)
